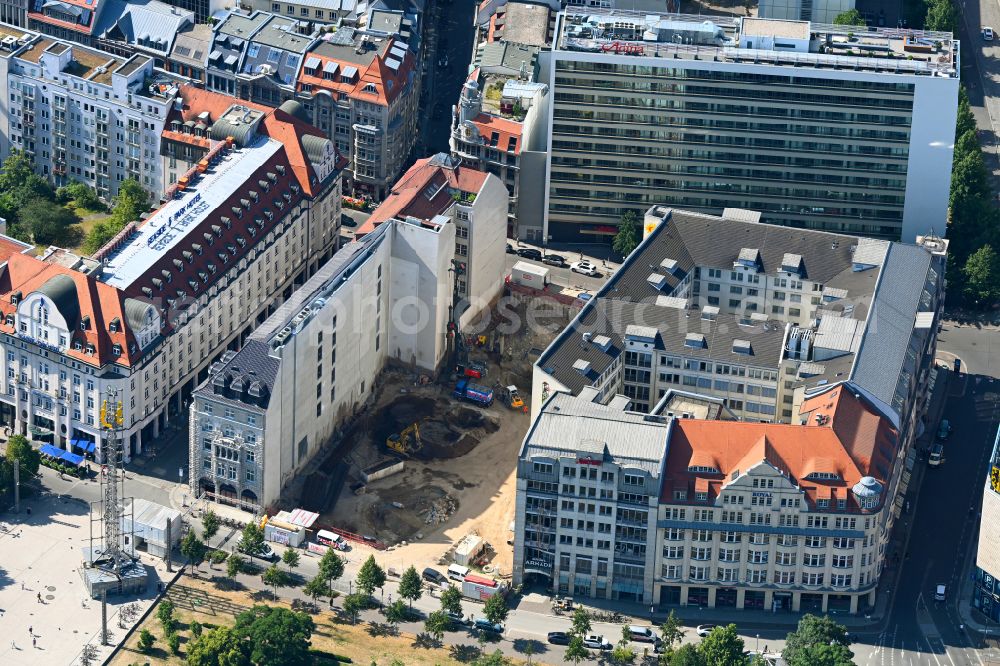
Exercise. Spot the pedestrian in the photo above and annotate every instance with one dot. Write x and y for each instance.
(30, 632)
(34, 642)
(13, 646)
(39, 597)
(765, 649)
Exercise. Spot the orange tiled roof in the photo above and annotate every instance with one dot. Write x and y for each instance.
(505, 130)
(407, 196)
(856, 441)
(100, 302)
(11, 246)
(388, 84)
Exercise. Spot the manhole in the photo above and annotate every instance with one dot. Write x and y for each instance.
(50, 597)
(50, 588)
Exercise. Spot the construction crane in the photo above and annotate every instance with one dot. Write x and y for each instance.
(406, 442)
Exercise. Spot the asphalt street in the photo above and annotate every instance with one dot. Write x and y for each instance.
(446, 69)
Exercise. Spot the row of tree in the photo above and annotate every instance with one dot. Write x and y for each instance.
(37, 213)
(19, 452)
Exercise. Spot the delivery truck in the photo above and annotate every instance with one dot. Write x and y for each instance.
(529, 275)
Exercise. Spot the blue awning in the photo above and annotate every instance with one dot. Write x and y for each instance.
(72, 458)
(83, 445)
(50, 450)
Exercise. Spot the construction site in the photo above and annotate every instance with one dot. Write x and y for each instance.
(420, 468)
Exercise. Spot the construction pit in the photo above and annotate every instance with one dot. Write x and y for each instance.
(462, 480)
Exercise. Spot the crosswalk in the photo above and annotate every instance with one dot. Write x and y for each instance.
(892, 648)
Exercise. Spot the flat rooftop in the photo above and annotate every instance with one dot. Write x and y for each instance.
(175, 219)
(724, 39)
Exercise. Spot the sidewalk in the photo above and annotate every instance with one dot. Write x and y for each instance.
(598, 254)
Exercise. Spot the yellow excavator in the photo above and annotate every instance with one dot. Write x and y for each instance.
(406, 442)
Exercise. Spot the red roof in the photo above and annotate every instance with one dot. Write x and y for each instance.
(507, 133)
(10, 246)
(409, 195)
(386, 82)
(854, 442)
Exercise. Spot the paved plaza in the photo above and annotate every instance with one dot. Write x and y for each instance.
(41, 588)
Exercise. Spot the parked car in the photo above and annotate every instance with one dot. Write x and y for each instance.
(530, 253)
(558, 638)
(510, 249)
(485, 625)
(554, 260)
(643, 634)
(958, 365)
(265, 552)
(705, 629)
(459, 619)
(584, 268)
(596, 642)
(988, 34)
(347, 220)
(434, 576)
(940, 593)
(937, 456)
(944, 429)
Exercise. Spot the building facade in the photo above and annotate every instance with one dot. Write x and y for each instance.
(441, 189)
(780, 117)
(261, 416)
(986, 590)
(151, 310)
(85, 115)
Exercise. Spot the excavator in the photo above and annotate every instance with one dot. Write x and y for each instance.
(406, 442)
(509, 395)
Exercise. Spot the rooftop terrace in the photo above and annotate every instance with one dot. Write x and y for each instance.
(176, 218)
(760, 41)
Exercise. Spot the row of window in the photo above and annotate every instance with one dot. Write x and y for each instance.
(754, 576)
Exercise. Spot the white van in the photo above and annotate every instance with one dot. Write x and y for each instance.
(331, 539)
(457, 572)
(643, 634)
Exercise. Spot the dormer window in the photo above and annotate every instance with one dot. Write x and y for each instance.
(823, 476)
(77, 345)
(15, 298)
(702, 469)
(701, 497)
(113, 326)
(85, 323)
(9, 320)
(823, 504)
(116, 350)
(90, 348)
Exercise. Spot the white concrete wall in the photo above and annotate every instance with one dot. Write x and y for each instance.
(487, 246)
(420, 291)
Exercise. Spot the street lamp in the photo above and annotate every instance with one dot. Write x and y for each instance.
(758, 644)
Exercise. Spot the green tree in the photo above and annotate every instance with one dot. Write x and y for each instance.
(627, 237)
(131, 202)
(370, 576)
(146, 640)
(354, 604)
(576, 651)
(410, 586)
(686, 655)
(165, 613)
(291, 559)
(196, 628)
(813, 632)
(622, 655)
(495, 658)
(495, 609)
(982, 277)
(671, 632)
(451, 601)
(174, 643)
(395, 612)
(218, 557)
(234, 566)
(941, 16)
(99, 236)
(48, 223)
(580, 624)
(722, 647)
(436, 624)
(252, 540)
(16, 170)
(210, 525)
(275, 636)
(218, 647)
(316, 588)
(20, 449)
(79, 195)
(850, 17)
(275, 578)
(193, 548)
(331, 568)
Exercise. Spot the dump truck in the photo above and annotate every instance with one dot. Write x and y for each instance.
(474, 393)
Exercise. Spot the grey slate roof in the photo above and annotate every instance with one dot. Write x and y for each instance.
(191, 46)
(251, 363)
(881, 363)
(569, 425)
(149, 23)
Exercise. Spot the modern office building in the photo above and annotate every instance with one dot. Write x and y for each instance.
(441, 189)
(813, 125)
(821, 344)
(149, 312)
(264, 411)
(986, 591)
(84, 115)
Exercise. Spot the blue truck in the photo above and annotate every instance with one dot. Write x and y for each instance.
(475, 393)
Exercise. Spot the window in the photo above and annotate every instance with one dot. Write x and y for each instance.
(673, 552)
(784, 577)
(698, 573)
(812, 579)
(542, 468)
(756, 576)
(814, 560)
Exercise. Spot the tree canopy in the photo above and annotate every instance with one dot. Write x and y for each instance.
(982, 277)
(20, 449)
(410, 585)
(370, 576)
(626, 239)
(818, 641)
(262, 635)
(722, 647)
(850, 17)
